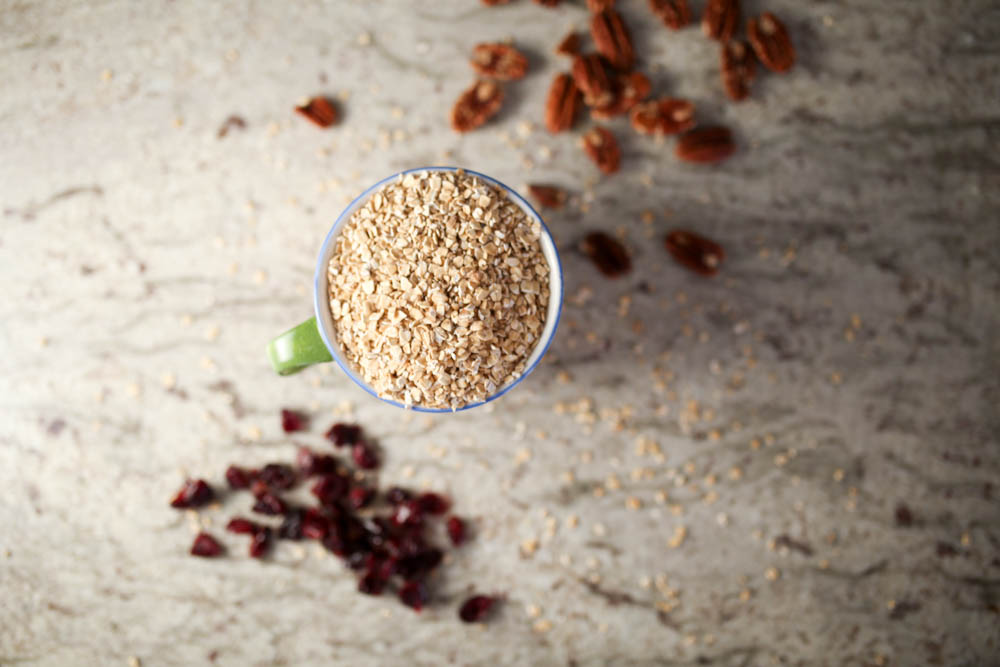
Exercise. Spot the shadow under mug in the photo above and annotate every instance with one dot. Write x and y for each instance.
(314, 341)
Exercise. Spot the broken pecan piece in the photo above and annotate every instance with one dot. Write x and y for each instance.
(629, 89)
(667, 115)
(547, 3)
(562, 104)
(319, 110)
(612, 40)
(499, 61)
(569, 46)
(705, 145)
(591, 78)
(695, 252)
(771, 42)
(600, 5)
(720, 19)
(494, 3)
(476, 106)
(549, 196)
(675, 14)
(738, 69)
(607, 253)
(602, 147)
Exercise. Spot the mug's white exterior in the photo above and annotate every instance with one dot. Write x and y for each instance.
(321, 301)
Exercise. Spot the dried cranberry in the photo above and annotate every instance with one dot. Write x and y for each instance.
(456, 530)
(261, 542)
(278, 476)
(364, 456)
(432, 503)
(206, 546)
(334, 541)
(194, 493)
(315, 526)
(291, 526)
(361, 560)
(311, 464)
(328, 489)
(344, 434)
(270, 504)
(259, 488)
(419, 563)
(371, 584)
(238, 478)
(360, 496)
(395, 495)
(241, 526)
(408, 513)
(476, 608)
(292, 421)
(414, 594)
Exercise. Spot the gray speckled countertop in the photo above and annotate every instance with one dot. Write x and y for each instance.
(826, 408)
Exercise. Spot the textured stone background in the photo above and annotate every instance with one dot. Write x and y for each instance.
(842, 364)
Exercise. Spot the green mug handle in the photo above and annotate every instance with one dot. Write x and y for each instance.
(297, 348)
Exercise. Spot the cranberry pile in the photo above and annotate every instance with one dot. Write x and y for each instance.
(380, 535)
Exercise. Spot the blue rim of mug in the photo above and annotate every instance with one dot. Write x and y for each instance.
(321, 301)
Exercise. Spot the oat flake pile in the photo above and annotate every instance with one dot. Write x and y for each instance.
(438, 289)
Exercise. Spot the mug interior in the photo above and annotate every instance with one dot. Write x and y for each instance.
(321, 299)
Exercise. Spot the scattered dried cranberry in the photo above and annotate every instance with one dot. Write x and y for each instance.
(238, 478)
(292, 421)
(311, 464)
(291, 526)
(259, 488)
(315, 526)
(278, 476)
(361, 560)
(456, 530)
(904, 516)
(241, 526)
(476, 608)
(270, 504)
(371, 584)
(419, 563)
(344, 434)
(194, 493)
(206, 546)
(408, 513)
(432, 503)
(360, 496)
(395, 495)
(364, 456)
(414, 594)
(328, 489)
(261, 542)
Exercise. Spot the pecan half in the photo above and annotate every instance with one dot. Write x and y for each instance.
(494, 3)
(667, 115)
(720, 19)
(607, 253)
(499, 61)
(705, 145)
(611, 39)
(548, 3)
(602, 147)
(738, 69)
(592, 79)
(569, 46)
(771, 43)
(476, 106)
(319, 110)
(696, 252)
(675, 14)
(630, 89)
(562, 104)
(548, 196)
(600, 5)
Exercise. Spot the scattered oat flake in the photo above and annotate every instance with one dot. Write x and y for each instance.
(542, 626)
(771, 574)
(677, 539)
(529, 547)
(633, 503)
(599, 529)
(533, 610)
